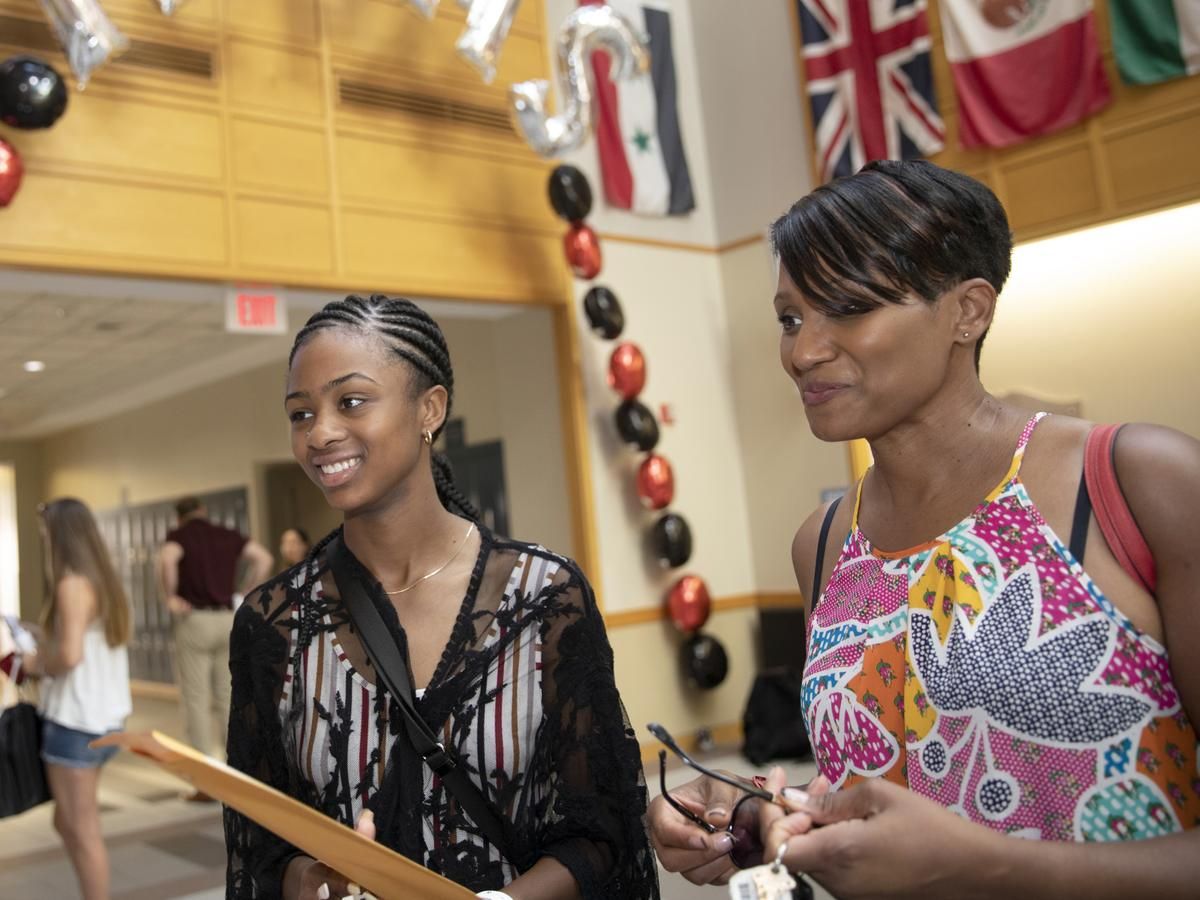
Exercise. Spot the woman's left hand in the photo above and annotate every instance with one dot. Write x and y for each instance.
(879, 839)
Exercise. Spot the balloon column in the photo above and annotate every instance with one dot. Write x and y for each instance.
(688, 602)
(32, 95)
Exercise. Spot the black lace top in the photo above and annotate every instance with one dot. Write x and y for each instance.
(524, 694)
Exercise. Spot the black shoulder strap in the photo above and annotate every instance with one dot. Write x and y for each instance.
(393, 672)
(1083, 515)
(820, 561)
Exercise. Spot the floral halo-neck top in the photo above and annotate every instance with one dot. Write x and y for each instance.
(986, 671)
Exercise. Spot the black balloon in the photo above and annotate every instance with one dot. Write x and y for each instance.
(32, 94)
(603, 311)
(672, 540)
(636, 425)
(570, 193)
(704, 660)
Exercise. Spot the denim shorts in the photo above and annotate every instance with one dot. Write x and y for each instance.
(63, 746)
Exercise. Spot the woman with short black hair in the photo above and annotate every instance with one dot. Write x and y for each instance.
(987, 659)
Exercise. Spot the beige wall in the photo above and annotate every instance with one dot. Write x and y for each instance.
(700, 311)
(786, 468)
(203, 440)
(219, 435)
(506, 388)
(27, 467)
(1107, 316)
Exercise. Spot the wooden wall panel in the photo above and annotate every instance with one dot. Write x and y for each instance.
(193, 12)
(407, 175)
(243, 165)
(1068, 176)
(1145, 161)
(111, 133)
(290, 20)
(440, 258)
(284, 237)
(274, 157)
(1096, 171)
(274, 78)
(113, 219)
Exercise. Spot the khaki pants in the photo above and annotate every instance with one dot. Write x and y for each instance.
(202, 654)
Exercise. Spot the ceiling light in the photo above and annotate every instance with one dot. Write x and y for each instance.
(33, 365)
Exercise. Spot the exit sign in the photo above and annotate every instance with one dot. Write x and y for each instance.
(256, 310)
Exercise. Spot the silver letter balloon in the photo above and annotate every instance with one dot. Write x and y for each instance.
(87, 35)
(488, 22)
(425, 7)
(586, 29)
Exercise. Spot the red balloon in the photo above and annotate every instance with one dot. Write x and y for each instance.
(627, 370)
(583, 251)
(655, 481)
(11, 172)
(689, 603)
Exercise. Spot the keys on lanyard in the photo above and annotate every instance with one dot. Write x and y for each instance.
(770, 881)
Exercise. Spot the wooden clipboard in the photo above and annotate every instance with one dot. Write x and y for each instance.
(383, 872)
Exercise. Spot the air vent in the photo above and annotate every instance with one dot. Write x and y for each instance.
(359, 93)
(180, 60)
(26, 33)
(34, 35)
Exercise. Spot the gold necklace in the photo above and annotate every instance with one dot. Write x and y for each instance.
(452, 558)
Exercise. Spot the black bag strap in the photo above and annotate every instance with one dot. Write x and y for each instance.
(393, 672)
(820, 560)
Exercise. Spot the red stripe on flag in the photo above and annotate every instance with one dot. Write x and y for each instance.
(934, 127)
(614, 167)
(827, 164)
(1037, 88)
(618, 179)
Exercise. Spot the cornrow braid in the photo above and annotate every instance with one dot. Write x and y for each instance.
(413, 335)
(443, 480)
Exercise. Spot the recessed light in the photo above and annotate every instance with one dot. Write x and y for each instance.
(33, 365)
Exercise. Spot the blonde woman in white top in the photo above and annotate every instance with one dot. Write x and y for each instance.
(85, 691)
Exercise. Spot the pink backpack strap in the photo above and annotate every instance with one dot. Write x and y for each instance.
(1112, 513)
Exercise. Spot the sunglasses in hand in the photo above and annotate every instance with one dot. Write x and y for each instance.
(747, 848)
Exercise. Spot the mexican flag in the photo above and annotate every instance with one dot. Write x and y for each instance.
(1022, 68)
(637, 123)
(1156, 40)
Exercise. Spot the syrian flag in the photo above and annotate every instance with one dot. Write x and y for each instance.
(1022, 68)
(637, 124)
(1156, 40)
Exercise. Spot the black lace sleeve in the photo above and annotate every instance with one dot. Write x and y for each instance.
(591, 818)
(257, 663)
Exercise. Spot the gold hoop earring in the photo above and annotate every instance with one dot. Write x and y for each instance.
(427, 437)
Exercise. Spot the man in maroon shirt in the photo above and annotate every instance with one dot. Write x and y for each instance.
(197, 569)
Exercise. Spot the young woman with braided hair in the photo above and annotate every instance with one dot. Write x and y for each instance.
(502, 640)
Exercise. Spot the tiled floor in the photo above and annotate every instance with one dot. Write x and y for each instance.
(164, 848)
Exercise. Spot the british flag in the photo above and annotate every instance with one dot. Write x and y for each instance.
(870, 82)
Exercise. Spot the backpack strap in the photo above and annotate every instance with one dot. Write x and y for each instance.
(1116, 522)
(820, 561)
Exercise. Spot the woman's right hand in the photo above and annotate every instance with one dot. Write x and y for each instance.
(310, 879)
(684, 847)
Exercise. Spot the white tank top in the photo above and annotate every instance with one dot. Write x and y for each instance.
(93, 696)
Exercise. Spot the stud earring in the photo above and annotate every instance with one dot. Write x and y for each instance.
(427, 437)
(966, 334)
